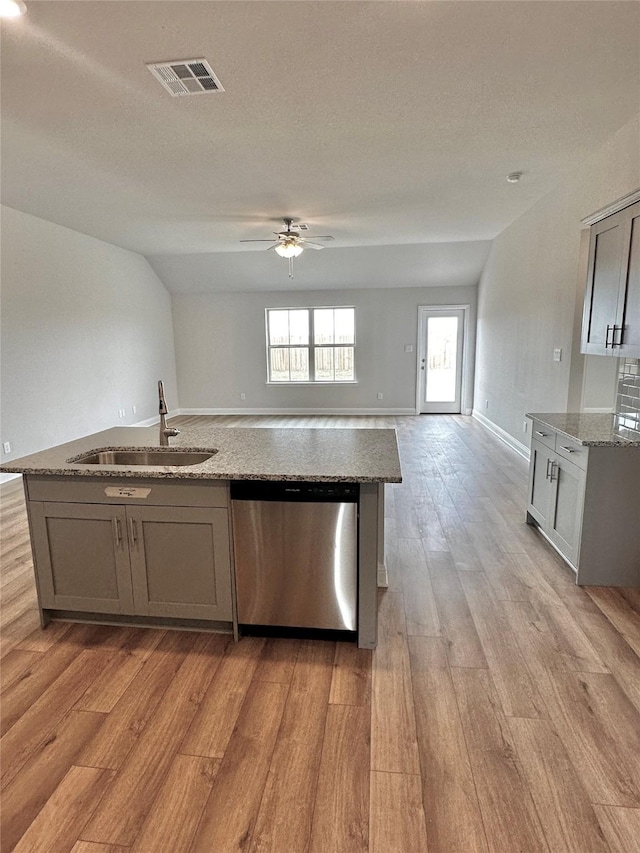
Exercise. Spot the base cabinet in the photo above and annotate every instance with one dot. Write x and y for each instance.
(125, 559)
(588, 508)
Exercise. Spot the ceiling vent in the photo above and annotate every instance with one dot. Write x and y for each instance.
(186, 77)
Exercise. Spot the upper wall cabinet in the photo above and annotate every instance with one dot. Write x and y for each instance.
(611, 319)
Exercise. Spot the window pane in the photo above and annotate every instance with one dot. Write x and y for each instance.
(345, 325)
(324, 363)
(299, 360)
(279, 359)
(344, 364)
(278, 327)
(323, 326)
(442, 336)
(299, 326)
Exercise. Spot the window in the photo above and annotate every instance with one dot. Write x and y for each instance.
(311, 344)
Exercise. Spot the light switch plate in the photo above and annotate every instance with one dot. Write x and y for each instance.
(6, 446)
(557, 354)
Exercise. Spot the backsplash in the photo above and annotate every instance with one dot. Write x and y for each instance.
(628, 397)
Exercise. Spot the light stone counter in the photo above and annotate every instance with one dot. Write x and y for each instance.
(320, 455)
(591, 430)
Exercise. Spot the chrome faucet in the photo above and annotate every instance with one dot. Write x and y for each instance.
(165, 431)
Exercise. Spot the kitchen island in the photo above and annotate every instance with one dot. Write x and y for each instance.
(151, 544)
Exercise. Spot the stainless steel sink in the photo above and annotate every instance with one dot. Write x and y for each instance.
(175, 457)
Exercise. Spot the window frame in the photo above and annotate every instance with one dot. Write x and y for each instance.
(310, 346)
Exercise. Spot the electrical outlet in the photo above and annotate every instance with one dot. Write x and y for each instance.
(408, 347)
(243, 396)
(557, 354)
(134, 410)
(121, 413)
(6, 446)
(380, 395)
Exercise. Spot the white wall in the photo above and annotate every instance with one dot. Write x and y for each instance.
(529, 301)
(86, 331)
(220, 349)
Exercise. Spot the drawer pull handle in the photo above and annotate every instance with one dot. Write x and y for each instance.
(569, 449)
(542, 434)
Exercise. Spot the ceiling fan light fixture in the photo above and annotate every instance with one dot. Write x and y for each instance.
(289, 250)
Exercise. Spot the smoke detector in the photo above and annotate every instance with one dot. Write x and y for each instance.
(186, 77)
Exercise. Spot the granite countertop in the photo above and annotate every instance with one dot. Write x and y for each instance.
(591, 430)
(319, 455)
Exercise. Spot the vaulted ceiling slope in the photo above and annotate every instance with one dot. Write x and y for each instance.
(382, 123)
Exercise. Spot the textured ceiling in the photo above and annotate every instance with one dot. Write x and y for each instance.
(381, 123)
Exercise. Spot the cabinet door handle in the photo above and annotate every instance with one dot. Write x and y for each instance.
(618, 343)
(117, 532)
(548, 474)
(133, 532)
(608, 344)
(552, 472)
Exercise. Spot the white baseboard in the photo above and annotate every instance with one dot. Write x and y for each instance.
(155, 420)
(301, 411)
(4, 478)
(504, 436)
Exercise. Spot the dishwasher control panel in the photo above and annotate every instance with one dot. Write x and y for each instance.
(294, 490)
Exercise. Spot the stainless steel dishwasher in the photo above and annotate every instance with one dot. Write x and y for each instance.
(296, 553)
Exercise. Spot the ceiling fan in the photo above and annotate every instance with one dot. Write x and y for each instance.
(290, 244)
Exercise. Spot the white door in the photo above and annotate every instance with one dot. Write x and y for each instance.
(440, 360)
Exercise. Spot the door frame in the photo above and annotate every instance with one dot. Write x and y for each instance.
(420, 350)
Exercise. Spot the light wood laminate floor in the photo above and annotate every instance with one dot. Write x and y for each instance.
(501, 711)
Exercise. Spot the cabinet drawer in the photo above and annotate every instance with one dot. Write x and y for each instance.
(544, 434)
(112, 490)
(571, 450)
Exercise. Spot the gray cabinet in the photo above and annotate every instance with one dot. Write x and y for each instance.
(611, 318)
(180, 563)
(586, 502)
(81, 557)
(556, 494)
(115, 556)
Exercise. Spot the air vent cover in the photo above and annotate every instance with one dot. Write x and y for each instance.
(186, 77)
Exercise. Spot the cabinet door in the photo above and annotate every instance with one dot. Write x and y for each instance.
(180, 562)
(606, 260)
(611, 318)
(81, 556)
(564, 524)
(540, 486)
(627, 341)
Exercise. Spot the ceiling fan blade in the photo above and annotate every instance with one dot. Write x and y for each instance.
(319, 237)
(307, 245)
(256, 241)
